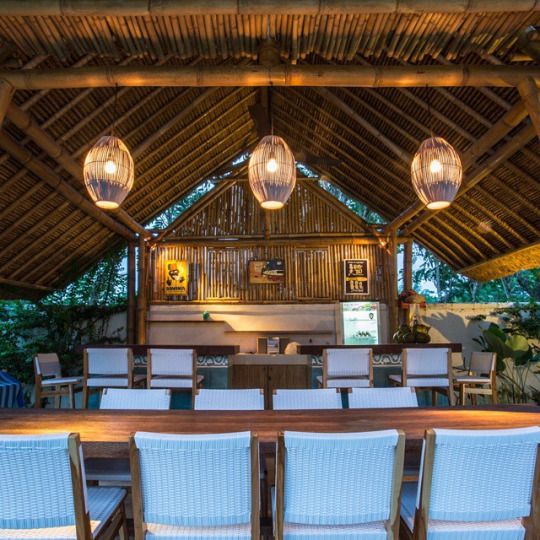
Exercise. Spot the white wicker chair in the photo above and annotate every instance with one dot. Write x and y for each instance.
(108, 368)
(381, 398)
(481, 378)
(43, 494)
(347, 368)
(195, 486)
(135, 399)
(429, 369)
(339, 485)
(322, 398)
(49, 381)
(175, 369)
(251, 399)
(475, 484)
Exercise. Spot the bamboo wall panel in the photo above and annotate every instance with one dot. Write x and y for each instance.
(312, 274)
(237, 213)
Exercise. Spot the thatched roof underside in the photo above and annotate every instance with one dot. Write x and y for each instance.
(46, 240)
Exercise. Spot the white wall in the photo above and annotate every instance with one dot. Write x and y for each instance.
(316, 323)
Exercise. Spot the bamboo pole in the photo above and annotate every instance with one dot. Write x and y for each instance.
(6, 93)
(131, 306)
(187, 8)
(26, 159)
(393, 314)
(141, 294)
(281, 75)
(407, 265)
(24, 285)
(32, 129)
(499, 130)
(529, 94)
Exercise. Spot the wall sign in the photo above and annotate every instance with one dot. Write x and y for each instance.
(176, 278)
(264, 272)
(355, 276)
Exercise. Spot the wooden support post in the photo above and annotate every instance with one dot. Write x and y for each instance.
(407, 265)
(141, 296)
(529, 94)
(6, 93)
(392, 282)
(131, 315)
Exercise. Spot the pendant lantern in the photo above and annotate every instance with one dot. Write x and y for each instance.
(272, 172)
(436, 173)
(109, 172)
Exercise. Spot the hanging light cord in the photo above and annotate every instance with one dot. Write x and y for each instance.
(430, 112)
(115, 111)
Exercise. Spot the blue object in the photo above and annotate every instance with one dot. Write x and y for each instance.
(11, 393)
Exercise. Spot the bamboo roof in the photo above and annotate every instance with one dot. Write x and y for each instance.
(179, 136)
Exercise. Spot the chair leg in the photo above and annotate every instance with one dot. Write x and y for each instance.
(58, 398)
(71, 397)
(462, 394)
(433, 398)
(85, 397)
(123, 531)
(451, 396)
(38, 400)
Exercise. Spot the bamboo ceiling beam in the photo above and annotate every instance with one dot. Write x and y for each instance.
(280, 75)
(530, 97)
(187, 8)
(32, 129)
(498, 158)
(27, 160)
(6, 93)
(24, 285)
(509, 121)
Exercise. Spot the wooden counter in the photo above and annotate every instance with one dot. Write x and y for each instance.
(106, 433)
(383, 348)
(202, 350)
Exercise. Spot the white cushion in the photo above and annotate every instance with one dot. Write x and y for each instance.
(102, 502)
(61, 380)
(471, 379)
(510, 529)
(170, 532)
(347, 383)
(167, 382)
(422, 382)
(365, 531)
(106, 382)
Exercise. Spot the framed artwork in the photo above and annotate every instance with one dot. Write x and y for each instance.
(176, 278)
(265, 272)
(355, 276)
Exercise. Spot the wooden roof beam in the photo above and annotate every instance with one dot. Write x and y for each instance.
(6, 93)
(530, 97)
(32, 129)
(186, 8)
(27, 160)
(24, 285)
(509, 149)
(499, 130)
(281, 75)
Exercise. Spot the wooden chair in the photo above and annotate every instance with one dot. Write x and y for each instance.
(49, 381)
(347, 368)
(475, 484)
(196, 486)
(108, 368)
(427, 369)
(339, 485)
(175, 369)
(481, 378)
(382, 398)
(251, 399)
(321, 398)
(43, 493)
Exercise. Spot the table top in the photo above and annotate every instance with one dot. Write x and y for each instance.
(382, 348)
(106, 433)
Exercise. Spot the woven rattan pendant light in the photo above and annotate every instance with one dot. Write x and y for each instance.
(436, 172)
(109, 171)
(272, 171)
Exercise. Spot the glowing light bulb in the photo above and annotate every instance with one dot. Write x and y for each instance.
(435, 166)
(110, 167)
(272, 165)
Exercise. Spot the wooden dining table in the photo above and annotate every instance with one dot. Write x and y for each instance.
(105, 434)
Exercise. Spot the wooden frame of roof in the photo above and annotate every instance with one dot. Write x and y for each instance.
(351, 85)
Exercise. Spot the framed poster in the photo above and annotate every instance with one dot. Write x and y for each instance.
(176, 278)
(355, 276)
(264, 272)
